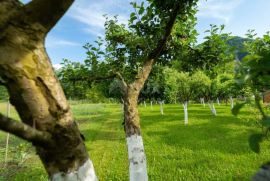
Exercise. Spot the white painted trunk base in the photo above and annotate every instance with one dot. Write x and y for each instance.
(202, 102)
(213, 109)
(185, 105)
(161, 107)
(218, 101)
(144, 103)
(151, 103)
(137, 159)
(85, 173)
(232, 103)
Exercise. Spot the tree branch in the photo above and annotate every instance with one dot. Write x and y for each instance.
(150, 60)
(160, 46)
(120, 77)
(24, 131)
(46, 12)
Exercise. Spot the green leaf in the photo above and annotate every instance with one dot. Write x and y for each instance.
(132, 17)
(266, 122)
(222, 27)
(236, 109)
(254, 142)
(141, 10)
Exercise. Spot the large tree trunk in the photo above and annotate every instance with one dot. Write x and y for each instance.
(136, 155)
(34, 90)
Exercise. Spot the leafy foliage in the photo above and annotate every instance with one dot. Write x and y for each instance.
(183, 86)
(212, 53)
(254, 72)
(154, 88)
(125, 49)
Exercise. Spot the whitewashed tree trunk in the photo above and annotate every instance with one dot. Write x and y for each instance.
(185, 105)
(218, 101)
(151, 103)
(202, 102)
(232, 103)
(137, 158)
(7, 138)
(161, 107)
(213, 109)
(85, 172)
(144, 103)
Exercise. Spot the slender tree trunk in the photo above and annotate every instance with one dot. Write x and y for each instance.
(161, 107)
(232, 103)
(151, 103)
(202, 102)
(218, 102)
(26, 71)
(212, 108)
(185, 105)
(136, 155)
(144, 104)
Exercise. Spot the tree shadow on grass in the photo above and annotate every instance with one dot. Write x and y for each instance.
(206, 136)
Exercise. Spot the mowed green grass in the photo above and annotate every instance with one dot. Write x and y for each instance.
(209, 148)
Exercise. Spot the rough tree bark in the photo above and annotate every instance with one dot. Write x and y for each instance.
(26, 71)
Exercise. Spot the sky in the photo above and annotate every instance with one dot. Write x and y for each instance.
(84, 21)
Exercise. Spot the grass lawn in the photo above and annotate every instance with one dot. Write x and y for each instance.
(209, 148)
